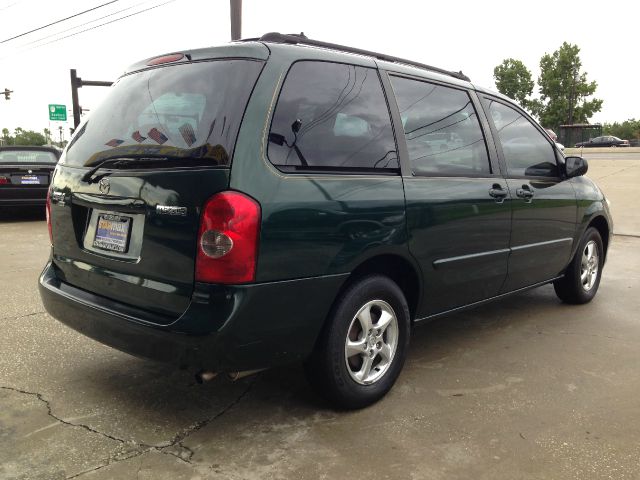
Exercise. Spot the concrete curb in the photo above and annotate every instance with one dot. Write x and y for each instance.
(612, 150)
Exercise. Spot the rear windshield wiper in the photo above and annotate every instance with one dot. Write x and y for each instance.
(121, 161)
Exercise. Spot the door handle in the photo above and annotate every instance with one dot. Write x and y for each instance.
(524, 192)
(497, 192)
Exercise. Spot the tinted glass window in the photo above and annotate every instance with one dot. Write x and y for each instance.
(526, 150)
(191, 110)
(27, 156)
(442, 129)
(332, 116)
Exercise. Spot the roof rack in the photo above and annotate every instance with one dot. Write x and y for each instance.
(301, 38)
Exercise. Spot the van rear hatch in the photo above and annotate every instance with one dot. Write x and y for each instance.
(126, 198)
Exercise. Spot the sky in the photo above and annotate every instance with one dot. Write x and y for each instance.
(471, 36)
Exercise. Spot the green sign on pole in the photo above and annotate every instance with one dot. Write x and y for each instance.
(58, 113)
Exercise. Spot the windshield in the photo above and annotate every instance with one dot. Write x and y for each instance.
(190, 110)
(27, 156)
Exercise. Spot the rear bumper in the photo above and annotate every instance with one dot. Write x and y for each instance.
(35, 200)
(225, 328)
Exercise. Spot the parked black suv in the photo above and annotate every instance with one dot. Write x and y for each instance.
(283, 199)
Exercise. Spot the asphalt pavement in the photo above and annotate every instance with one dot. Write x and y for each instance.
(618, 175)
(524, 388)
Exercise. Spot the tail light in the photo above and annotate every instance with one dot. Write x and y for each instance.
(48, 214)
(174, 57)
(228, 239)
(4, 180)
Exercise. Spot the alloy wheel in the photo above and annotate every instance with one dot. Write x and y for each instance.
(589, 266)
(371, 343)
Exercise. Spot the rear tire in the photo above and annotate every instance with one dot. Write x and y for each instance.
(361, 351)
(582, 278)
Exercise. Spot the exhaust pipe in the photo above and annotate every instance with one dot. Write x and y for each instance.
(233, 376)
(205, 376)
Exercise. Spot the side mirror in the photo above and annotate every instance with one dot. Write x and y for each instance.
(575, 166)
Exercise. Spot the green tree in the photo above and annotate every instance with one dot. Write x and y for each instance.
(28, 137)
(564, 89)
(23, 137)
(629, 129)
(514, 80)
(8, 139)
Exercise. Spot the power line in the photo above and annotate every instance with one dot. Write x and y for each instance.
(59, 21)
(9, 5)
(103, 24)
(83, 24)
(94, 27)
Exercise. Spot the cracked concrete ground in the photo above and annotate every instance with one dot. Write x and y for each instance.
(525, 388)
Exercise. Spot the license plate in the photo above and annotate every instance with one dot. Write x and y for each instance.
(30, 180)
(112, 233)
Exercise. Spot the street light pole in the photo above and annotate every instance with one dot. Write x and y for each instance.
(74, 98)
(76, 83)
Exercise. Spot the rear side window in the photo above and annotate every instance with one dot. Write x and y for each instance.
(27, 156)
(526, 150)
(190, 111)
(332, 116)
(442, 129)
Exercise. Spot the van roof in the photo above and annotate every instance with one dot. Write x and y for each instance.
(257, 48)
(261, 47)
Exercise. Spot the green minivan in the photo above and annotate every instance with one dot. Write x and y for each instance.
(282, 199)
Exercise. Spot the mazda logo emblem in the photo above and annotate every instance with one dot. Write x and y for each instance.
(104, 185)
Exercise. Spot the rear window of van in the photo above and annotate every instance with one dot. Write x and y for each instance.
(191, 110)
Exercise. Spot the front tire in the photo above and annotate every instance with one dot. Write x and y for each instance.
(362, 349)
(582, 278)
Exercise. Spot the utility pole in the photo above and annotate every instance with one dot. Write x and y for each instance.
(236, 19)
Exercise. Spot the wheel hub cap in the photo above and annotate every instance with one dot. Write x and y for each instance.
(371, 343)
(589, 265)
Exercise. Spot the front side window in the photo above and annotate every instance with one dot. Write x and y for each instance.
(188, 111)
(332, 116)
(526, 151)
(442, 129)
